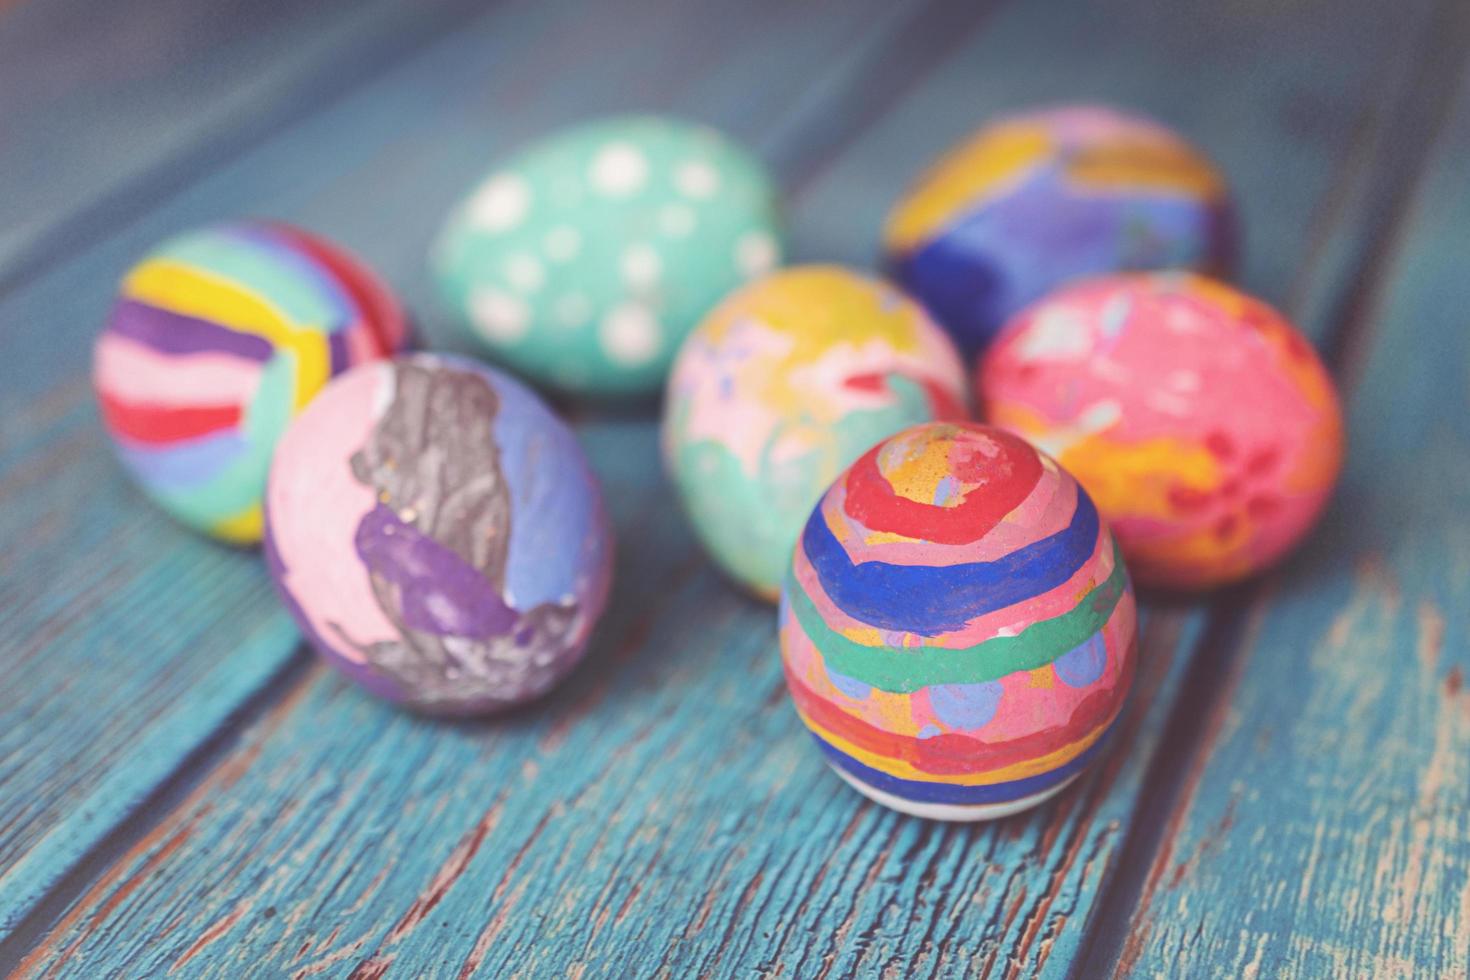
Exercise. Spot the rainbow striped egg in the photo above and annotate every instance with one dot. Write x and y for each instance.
(958, 630)
(218, 338)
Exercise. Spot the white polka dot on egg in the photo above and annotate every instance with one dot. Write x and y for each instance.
(501, 203)
(755, 253)
(499, 315)
(641, 266)
(618, 170)
(524, 273)
(629, 335)
(697, 179)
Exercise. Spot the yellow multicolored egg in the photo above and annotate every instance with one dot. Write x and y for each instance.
(1202, 422)
(789, 380)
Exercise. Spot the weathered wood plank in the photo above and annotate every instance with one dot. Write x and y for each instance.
(662, 813)
(1320, 827)
(106, 108)
(143, 650)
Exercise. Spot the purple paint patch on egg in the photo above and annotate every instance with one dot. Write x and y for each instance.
(174, 333)
(1084, 664)
(440, 593)
(853, 689)
(965, 705)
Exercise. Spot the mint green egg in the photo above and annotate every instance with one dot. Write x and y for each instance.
(583, 260)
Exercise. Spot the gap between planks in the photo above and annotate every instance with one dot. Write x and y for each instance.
(31, 931)
(800, 146)
(1400, 151)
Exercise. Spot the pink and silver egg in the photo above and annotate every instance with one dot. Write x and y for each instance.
(438, 535)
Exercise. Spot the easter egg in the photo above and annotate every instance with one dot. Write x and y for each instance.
(218, 338)
(779, 389)
(583, 260)
(957, 628)
(1202, 423)
(1035, 200)
(438, 535)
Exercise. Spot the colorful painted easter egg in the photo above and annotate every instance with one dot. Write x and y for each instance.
(787, 382)
(584, 260)
(218, 338)
(1035, 200)
(1203, 424)
(957, 629)
(438, 534)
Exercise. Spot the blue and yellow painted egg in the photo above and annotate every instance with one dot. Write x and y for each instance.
(1036, 200)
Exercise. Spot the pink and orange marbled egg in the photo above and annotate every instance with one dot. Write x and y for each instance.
(1203, 424)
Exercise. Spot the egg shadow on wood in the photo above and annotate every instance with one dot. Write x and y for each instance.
(658, 569)
(1344, 536)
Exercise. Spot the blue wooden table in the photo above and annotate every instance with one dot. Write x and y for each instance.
(185, 791)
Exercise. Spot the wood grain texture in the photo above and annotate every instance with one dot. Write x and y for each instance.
(106, 108)
(141, 651)
(1320, 830)
(662, 812)
(144, 651)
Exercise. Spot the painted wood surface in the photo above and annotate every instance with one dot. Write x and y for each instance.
(238, 808)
